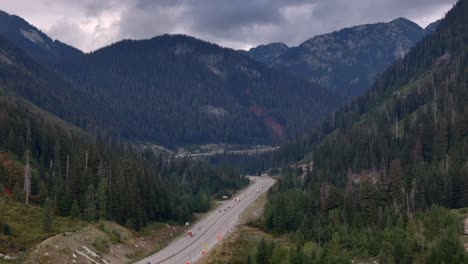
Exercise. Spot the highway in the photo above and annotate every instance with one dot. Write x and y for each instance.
(211, 229)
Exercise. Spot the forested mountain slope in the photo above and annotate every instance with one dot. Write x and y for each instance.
(22, 76)
(348, 60)
(176, 89)
(47, 161)
(104, 178)
(172, 90)
(377, 168)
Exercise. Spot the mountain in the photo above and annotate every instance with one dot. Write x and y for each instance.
(30, 39)
(267, 53)
(175, 89)
(379, 174)
(170, 90)
(22, 76)
(46, 160)
(347, 60)
(432, 27)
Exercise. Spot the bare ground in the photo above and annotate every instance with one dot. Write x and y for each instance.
(105, 242)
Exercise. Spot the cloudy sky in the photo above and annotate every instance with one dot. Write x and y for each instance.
(90, 24)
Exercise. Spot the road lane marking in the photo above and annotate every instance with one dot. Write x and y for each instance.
(262, 182)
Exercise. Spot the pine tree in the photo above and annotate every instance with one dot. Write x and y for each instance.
(6, 230)
(262, 252)
(102, 199)
(17, 193)
(396, 184)
(368, 201)
(75, 210)
(47, 215)
(90, 204)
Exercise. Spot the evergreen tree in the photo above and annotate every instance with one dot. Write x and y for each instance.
(6, 230)
(47, 215)
(396, 185)
(102, 199)
(75, 210)
(262, 252)
(90, 211)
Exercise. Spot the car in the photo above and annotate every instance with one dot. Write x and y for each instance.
(219, 210)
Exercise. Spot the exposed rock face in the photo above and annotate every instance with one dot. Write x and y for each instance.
(347, 60)
(268, 53)
(33, 41)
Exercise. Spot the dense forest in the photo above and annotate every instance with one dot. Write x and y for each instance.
(97, 178)
(185, 90)
(380, 172)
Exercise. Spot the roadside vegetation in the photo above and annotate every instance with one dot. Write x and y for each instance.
(24, 226)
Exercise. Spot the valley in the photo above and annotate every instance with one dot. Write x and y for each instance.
(210, 230)
(186, 140)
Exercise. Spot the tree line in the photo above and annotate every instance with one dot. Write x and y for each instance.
(379, 174)
(50, 164)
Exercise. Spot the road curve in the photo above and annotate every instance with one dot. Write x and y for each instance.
(211, 229)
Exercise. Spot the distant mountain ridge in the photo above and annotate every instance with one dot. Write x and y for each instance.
(347, 60)
(30, 39)
(170, 90)
(175, 89)
(178, 89)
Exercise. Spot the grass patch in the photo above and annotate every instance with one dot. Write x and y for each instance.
(114, 235)
(242, 243)
(25, 223)
(101, 244)
(154, 230)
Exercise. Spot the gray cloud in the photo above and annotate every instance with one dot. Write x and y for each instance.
(90, 24)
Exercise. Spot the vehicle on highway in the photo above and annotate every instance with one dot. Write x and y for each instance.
(190, 234)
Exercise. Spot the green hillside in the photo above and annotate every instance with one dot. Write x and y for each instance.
(381, 170)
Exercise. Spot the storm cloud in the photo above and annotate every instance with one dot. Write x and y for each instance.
(91, 24)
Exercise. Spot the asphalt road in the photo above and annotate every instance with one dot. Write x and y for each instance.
(211, 229)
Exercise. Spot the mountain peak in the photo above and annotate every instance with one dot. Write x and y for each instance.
(401, 20)
(268, 53)
(330, 59)
(404, 21)
(432, 26)
(279, 45)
